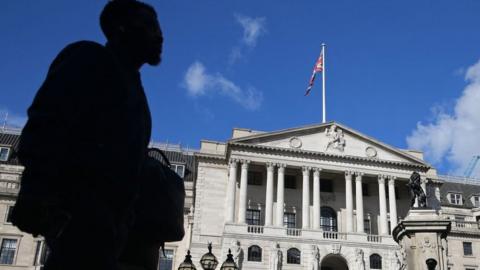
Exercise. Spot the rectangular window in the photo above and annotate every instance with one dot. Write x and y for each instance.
(253, 217)
(165, 262)
(467, 248)
(289, 220)
(8, 216)
(326, 185)
(4, 151)
(476, 201)
(255, 178)
(290, 181)
(8, 250)
(456, 198)
(41, 254)
(179, 169)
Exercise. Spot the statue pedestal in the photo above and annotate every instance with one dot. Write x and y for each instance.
(423, 238)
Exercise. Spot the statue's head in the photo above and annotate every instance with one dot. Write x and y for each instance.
(415, 177)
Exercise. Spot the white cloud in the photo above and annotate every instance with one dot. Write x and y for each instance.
(11, 119)
(253, 28)
(453, 137)
(198, 82)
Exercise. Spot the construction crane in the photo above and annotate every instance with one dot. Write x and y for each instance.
(471, 166)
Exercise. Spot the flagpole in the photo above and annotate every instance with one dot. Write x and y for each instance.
(324, 119)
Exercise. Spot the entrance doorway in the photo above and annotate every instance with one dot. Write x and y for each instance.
(334, 262)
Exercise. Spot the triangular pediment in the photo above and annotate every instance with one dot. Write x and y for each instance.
(330, 138)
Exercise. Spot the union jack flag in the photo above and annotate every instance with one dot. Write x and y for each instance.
(318, 67)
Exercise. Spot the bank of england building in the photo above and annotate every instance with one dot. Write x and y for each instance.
(322, 196)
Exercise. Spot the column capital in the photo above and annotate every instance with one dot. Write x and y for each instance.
(357, 173)
(245, 163)
(316, 169)
(349, 173)
(382, 176)
(391, 180)
(281, 165)
(316, 172)
(306, 169)
(381, 179)
(233, 162)
(270, 165)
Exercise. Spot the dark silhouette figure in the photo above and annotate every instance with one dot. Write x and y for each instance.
(86, 139)
(431, 264)
(416, 191)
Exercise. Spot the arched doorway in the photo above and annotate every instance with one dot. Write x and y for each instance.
(334, 262)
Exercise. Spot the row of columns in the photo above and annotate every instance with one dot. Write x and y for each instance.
(231, 188)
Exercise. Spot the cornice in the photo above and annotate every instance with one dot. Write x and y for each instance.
(330, 156)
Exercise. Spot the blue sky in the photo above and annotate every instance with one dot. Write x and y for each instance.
(403, 72)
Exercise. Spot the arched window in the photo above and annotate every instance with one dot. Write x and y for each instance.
(375, 261)
(255, 254)
(328, 219)
(293, 256)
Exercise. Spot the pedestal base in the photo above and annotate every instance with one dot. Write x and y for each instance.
(425, 243)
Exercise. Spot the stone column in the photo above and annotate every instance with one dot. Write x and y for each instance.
(316, 198)
(359, 201)
(280, 194)
(306, 198)
(231, 187)
(383, 205)
(392, 201)
(269, 196)
(242, 205)
(349, 200)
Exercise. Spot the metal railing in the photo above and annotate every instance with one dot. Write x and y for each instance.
(294, 232)
(374, 238)
(256, 229)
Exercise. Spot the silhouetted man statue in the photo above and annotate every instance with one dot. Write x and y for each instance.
(85, 142)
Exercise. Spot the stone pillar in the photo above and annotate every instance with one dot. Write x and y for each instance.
(231, 187)
(422, 236)
(359, 201)
(280, 194)
(349, 200)
(269, 196)
(383, 205)
(242, 205)
(306, 198)
(316, 198)
(392, 202)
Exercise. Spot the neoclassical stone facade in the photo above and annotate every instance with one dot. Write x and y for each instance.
(317, 197)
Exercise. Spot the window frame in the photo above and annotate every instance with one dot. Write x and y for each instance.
(176, 166)
(8, 153)
(255, 178)
(250, 254)
(475, 198)
(294, 258)
(287, 222)
(326, 183)
(455, 198)
(375, 264)
(328, 223)
(252, 220)
(8, 214)
(167, 259)
(15, 252)
(470, 246)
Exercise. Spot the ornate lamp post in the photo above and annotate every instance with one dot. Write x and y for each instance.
(229, 264)
(187, 263)
(209, 261)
